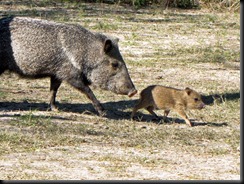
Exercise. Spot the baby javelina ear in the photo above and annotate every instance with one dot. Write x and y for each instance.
(194, 100)
(188, 90)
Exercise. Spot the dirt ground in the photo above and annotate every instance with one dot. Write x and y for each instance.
(78, 163)
(177, 48)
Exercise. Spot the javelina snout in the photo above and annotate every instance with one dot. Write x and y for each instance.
(125, 88)
(132, 93)
(122, 84)
(202, 105)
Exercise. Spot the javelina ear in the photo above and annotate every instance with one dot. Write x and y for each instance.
(117, 40)
(108, 45)
(188, 90)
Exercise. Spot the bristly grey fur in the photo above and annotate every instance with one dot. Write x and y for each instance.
(64, 52)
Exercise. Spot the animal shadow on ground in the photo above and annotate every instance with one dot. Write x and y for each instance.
(149, 118)
(220, 98)
(116, 110)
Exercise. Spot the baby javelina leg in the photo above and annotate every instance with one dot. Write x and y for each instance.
(192, 100)
(182, 113)
(166, 113)
(145, 101)
(150, 110)
(139, 105)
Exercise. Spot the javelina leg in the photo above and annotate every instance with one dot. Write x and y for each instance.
(139, 105)
(166, 113)
(150, 109)
(182, 113)
(88, 92)
(54, 85)
(97, 105)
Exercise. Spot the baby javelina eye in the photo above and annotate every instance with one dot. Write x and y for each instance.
(196, 99)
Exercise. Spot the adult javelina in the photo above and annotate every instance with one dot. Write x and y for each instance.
(38, 48)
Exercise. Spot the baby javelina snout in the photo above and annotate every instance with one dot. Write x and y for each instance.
(167, 98)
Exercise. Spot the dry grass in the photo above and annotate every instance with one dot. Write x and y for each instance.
(177, 48)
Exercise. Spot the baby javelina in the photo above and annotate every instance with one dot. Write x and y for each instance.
(167, 98)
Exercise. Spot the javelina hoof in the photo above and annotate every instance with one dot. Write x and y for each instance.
(102, 113)
(53, 108)
(189, 124)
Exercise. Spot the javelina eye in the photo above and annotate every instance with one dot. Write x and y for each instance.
(115, 65)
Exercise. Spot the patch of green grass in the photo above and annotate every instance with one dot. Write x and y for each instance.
(211, 18)
(3, 94)
(105, 26)
(32, 132)
(209, 54)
